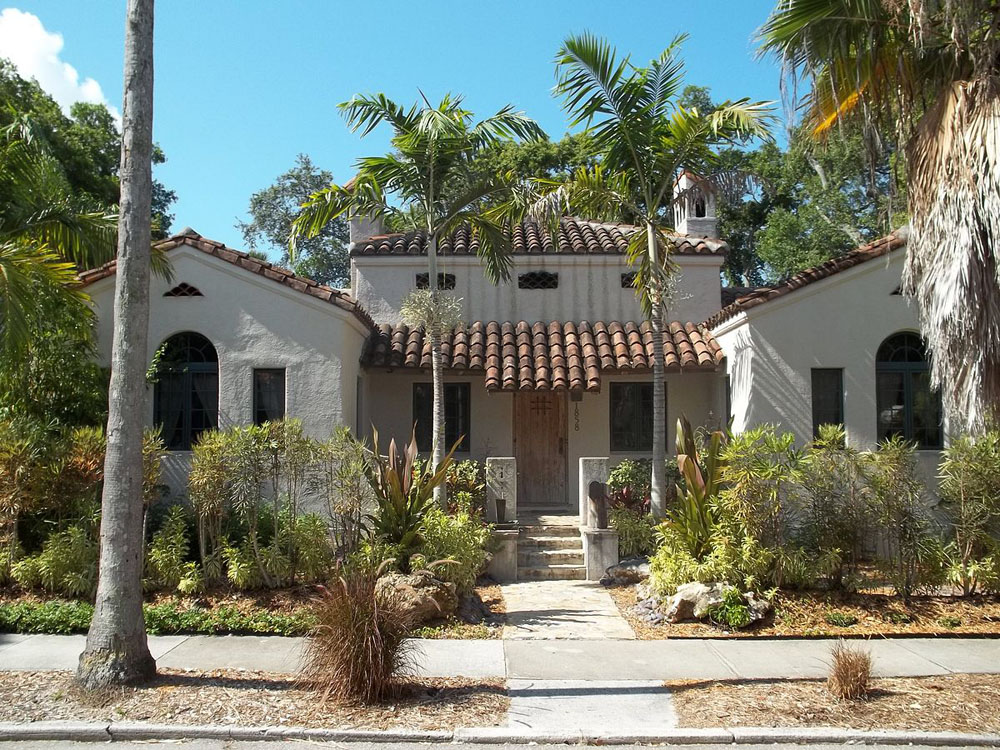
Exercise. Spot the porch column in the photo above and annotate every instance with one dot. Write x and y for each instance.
(501, 489)
(591, 470)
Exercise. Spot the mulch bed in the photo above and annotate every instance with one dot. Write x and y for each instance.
(250, 698)
(803, 614)
(961, 703)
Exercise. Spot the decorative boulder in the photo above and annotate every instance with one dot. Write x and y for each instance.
(423, 595)
(627, 572)
(693, 600)
(759, 608)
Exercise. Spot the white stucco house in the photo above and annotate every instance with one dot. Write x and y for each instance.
(551, 367)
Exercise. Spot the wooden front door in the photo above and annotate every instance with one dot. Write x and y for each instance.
(540, 448)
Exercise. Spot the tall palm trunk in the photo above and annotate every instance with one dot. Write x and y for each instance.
(658, 483)
(437, 377)
(116, 651)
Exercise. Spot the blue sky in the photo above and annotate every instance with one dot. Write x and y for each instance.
(242, 87)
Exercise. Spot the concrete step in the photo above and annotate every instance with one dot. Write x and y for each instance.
(536, 531)
(538, 558)
(552, 573)
(549, 542)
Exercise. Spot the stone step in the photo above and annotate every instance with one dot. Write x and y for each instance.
(546, 557)
(549, 542)
(536, 531)
(552, 573)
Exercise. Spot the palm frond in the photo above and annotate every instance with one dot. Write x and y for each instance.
(365, 113)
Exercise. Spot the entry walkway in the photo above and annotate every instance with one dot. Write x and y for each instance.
(560, 610)
(526, 659)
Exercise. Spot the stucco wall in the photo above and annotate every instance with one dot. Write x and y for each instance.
(589, 288)
(838, 322)
(253, 322)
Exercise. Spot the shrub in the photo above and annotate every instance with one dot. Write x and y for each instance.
(911, 558)
(339, 478)
(403, 495)
(835, 490)
(466, 484)
(841, 619)
(460, 537)
(692, 520)
(970, 494)
(850, 672)
(66, 565)
(313, 553)
(949, 621)
(166, 558)
(359, 645)
(52, 617)
(636, 533)
(732, 611)
(629, 485)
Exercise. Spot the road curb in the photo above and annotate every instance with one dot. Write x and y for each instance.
(137, 731)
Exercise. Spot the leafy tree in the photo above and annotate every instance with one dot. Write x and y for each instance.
(645, 137)
(428, 176)
(273, 210)
(86, 144)
(811, 202)
(117, 652)
(931, 69)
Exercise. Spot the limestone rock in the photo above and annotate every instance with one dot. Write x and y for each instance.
(421, 594)
(759, 607)
(627, 572)
(693, 600)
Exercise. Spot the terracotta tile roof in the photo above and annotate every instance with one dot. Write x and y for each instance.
(280, 275)
(756, 297)
(546, 356)
(575, 237)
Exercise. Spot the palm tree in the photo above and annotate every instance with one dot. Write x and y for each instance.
(930, 69)
(435, 190)
(645, 139)
(46, 233)
(117, 652)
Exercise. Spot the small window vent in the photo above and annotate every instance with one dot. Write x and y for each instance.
(538, 280)
(628, 280)
(183, 290)
(445, 281)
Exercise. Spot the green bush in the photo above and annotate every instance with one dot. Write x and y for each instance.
(52, 617)
(732, 611)
(636, 533)
(167, 556)
(461, 537)
(66, 565)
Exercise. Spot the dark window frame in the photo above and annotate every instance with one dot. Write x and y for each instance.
(258, 407)
(445, 281)
(459, 394)
(903, 356)
(641, 438)
(177, 375)
(821, 419)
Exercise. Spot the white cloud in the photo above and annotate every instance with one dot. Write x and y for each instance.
(35, 53)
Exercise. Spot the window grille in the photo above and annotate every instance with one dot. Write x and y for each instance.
(183, 290)
(457, 415)
(538, 280)
(905, 403)
(186, 393)
(268, 395)
(445, 281)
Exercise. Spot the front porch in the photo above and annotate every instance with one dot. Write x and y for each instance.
(545, 395)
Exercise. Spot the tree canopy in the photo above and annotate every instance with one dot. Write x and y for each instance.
(86, 143)
(273, 210)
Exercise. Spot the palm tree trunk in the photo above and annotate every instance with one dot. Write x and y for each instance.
(116, 651)
(658, 483)
(437, 377)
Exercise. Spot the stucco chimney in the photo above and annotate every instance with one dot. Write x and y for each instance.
(364, 226)
(694, 207)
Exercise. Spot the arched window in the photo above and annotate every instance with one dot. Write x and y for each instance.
(186, 395)
(700, 207)
(906, 404)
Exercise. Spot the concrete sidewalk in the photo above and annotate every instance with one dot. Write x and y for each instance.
(606, 660)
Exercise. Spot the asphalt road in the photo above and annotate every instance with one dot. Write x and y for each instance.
(306, 745)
